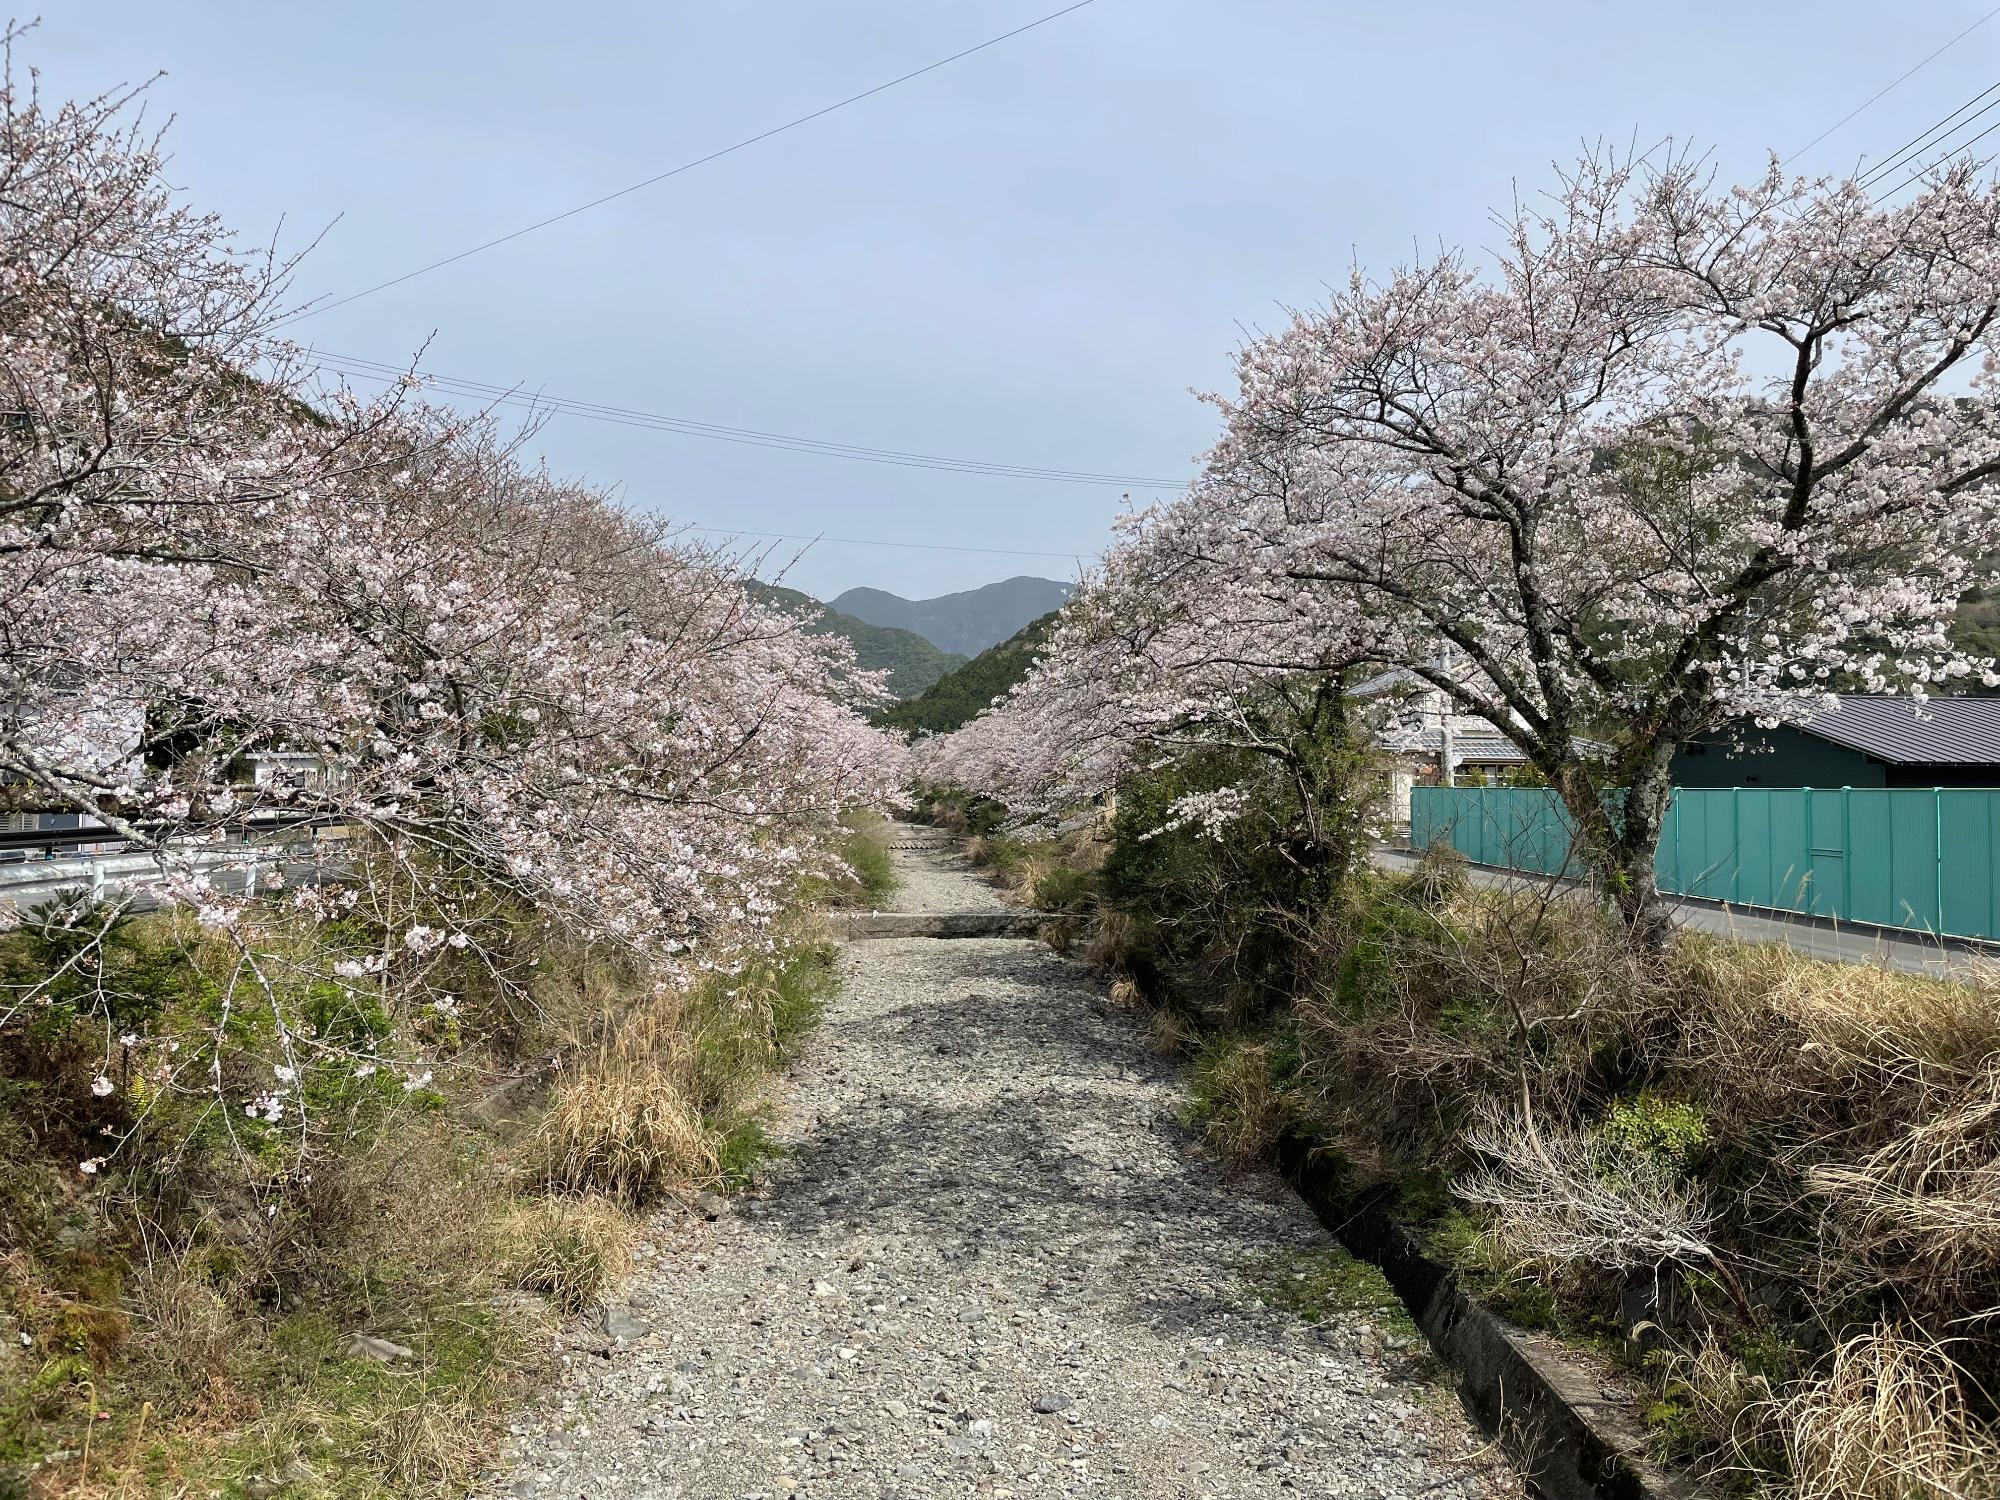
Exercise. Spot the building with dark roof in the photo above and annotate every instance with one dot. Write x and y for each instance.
(1867, 739)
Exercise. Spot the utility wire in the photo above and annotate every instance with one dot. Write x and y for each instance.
(687, 166)
(1895, 82)
(1926, 170)
(1924, 140)
(367, 369)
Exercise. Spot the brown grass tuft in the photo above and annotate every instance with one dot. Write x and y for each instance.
(1888, 1422)
(188, 1330)
(568, 1249)
(624, 1118)
(428, 1446)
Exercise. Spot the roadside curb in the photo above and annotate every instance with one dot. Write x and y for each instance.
(1545, 1408)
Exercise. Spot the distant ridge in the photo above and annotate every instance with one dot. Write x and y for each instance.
(964, 692)
(965, 623)
(912, 662)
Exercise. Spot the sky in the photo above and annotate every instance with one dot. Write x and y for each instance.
(1036, 256)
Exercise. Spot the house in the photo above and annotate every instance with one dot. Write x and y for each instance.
(1865, 740)
(1430, 744)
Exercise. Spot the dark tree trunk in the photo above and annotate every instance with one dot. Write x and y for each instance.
(1619, 842)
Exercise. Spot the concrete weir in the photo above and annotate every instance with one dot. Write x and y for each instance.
(944, 924)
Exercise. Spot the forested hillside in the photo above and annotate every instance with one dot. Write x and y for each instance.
(961, 694)
(912, 662)
(967, 622)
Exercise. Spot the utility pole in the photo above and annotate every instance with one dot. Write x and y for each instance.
(1447, 747)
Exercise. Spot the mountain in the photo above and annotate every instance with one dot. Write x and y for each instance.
(960, 694)
(966, 623)
(912, 662)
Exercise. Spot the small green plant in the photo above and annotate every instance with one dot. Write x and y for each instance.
(744, 1146)
(1497, 1280)
(1323, 1283)
(1671, 1131)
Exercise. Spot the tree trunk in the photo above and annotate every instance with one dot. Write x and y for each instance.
(1620, 847)
(1635, 890)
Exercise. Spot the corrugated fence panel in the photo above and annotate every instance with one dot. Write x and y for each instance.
(1968, 837)
(1871, 823)
(1913, 860)
(1901, 857)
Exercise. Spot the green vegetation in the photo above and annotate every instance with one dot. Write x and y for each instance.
(967, 622)
(1769, 1186)
(870, 875)
(1975, 629)
(961, 693)
(182, 1317)
(912, 662)
(1322, 1283)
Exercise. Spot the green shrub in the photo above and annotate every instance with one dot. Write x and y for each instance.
(1672, 1131)
(1241, 1094)
(871, 873)
(1065, 888)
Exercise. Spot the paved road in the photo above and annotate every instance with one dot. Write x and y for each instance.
(1854, 945)
(993, 1264)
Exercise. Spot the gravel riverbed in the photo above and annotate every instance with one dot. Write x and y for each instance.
(992, 1263)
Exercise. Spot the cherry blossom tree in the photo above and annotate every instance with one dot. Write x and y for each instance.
(1159, 656)
(513, 697)
(1676, 455)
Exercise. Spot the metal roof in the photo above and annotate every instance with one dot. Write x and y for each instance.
(1481, 746)
(1941, 732)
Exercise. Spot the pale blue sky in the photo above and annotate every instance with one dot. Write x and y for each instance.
(1030, 256)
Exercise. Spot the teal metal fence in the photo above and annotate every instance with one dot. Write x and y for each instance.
(1916, 857)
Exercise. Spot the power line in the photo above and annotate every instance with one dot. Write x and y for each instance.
(688, 166)
(1925, 139)
(1932, 166)
(1893, 83)
(862, 541)
(367, 369)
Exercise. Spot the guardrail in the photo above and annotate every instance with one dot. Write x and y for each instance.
(49, 869)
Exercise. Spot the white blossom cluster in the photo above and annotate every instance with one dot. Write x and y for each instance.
(1676, 454)
(494, 682)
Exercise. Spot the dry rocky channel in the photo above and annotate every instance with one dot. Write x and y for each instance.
(992, 1262)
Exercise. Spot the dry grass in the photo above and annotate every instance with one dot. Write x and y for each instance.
(429, 1446)
(1114, 937)
(1172, 1033)
(624, 1117)
(1717, 1411)
(1889, 1421)
(567, 1249)
(187, 1331)
(1881, 1092)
